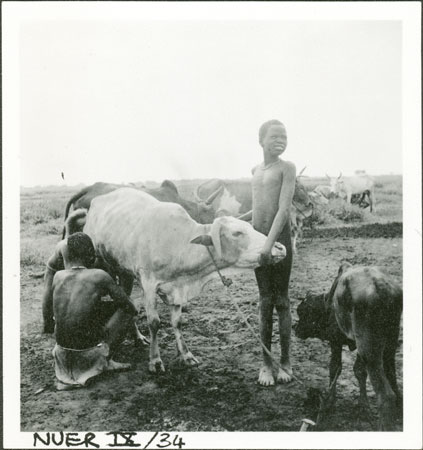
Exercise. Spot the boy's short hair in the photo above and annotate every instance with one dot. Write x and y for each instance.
(263, 129)
(80, 246)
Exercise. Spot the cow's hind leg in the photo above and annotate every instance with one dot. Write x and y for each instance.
(372, 200)
(182, 349)
(360, 372)
(155, 365)
(384, 393)
(389, 364)
(370, 346)
(126, 282)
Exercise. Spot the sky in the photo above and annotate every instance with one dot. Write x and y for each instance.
(133, 100)
(111, 91)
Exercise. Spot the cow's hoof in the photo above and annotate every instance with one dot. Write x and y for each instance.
(266, 376)
(156, 366)
(189, 359)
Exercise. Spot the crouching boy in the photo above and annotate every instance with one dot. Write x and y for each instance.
(87, 328)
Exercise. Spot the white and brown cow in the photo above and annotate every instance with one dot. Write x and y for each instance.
(138, 235)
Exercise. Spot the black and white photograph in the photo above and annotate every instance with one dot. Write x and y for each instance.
(211, 224)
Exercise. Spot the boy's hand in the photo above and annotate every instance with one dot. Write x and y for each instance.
(265, 257)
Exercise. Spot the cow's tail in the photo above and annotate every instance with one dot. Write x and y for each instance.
(72, 200)
(75, 222)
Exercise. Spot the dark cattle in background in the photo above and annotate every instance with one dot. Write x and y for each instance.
(201, 212)
(362, 310)
(362, 200)
(234, 198)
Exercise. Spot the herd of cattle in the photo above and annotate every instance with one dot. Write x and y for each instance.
(173, 246)
(216, 198)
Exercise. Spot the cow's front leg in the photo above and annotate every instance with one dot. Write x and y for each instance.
(186, 356)
(155, 365)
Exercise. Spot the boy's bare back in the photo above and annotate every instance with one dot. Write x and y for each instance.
(78, 307)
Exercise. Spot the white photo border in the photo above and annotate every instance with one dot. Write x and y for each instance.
(409, 13)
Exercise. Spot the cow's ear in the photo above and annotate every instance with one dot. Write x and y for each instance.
(203, 239)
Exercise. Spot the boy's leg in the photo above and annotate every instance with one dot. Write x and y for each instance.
(282, 273)
(263, 276)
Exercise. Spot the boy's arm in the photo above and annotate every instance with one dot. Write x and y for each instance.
(54, 264)
(118, 295)
(284, 211)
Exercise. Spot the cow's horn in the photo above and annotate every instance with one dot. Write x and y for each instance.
(304, 168)
(214, 195)
(340, 175)
(328, 176)
(196, 196)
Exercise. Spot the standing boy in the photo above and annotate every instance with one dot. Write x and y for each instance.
(273, 188)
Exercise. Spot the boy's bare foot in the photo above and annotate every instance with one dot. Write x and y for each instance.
(285, 374)
(266, 376)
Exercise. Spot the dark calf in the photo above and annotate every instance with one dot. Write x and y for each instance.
(362, 310)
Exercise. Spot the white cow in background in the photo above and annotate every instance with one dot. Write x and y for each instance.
(138, 235)
(345, 187)
(323, 190)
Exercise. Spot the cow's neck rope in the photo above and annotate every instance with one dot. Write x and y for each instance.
(227, 282)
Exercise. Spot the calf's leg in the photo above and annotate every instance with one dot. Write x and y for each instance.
(370, 346)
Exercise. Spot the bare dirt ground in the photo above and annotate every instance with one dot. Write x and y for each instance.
(221, 393)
